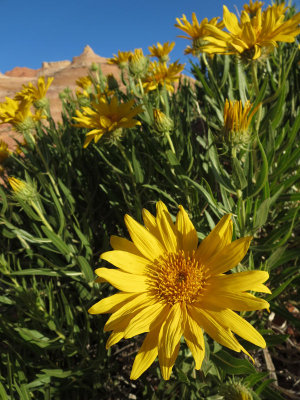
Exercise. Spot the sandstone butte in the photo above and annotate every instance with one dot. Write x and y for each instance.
(65, 74)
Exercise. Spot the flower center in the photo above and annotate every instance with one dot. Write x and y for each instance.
(177, 277)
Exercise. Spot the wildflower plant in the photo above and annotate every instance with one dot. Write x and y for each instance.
(185, 280)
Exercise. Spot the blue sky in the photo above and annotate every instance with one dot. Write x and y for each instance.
(34, 31)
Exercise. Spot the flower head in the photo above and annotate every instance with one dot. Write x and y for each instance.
(35, 95)
(172, 287)
(237, 119)
(196, 31)
(85, 82)
(18, 114)
(121, 59)
(161, 51)
(106, 117)
(160, 75)
(252, 38)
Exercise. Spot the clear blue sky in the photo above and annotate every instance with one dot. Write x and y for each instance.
(34, 31)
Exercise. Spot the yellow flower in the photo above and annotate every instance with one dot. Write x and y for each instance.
(106, 118)
(237, 119)
(85, 82)
(253, 7)
(160, 75)
(170, 287)
(161, 51)
(4, 152)
(18, 114)
(196, 31)
(35, 95)
(121, 59)
(253, 37)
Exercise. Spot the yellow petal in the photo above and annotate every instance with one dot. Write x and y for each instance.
(213, 328)
(114, 338)
(131, 307)
(240, 282)
(123, 281)
(119, 243)
(218, 238)
(147, 354)
(188, 234)
(235, 301)
(166, 228)
(194, 339)
(146, 243)
(169, 339)
(231, 22)
(110, 304)
(239, 325)
(127, 262)
(146, 320)
(230, 256)
(150, 223)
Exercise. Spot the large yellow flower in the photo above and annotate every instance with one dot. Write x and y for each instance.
(253, 37)
(160, 75)
(196, 31)
(106, 117)
(170, 287)
(161, 51)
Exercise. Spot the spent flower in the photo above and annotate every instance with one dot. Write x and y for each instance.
(172, 287)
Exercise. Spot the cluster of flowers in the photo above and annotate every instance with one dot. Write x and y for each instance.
(153, 74)
(104, 114)
(252, 37)
(18, 111)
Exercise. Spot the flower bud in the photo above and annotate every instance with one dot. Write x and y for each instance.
(138, 63)
(162, 122)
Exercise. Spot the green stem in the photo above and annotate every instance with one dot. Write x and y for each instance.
(256, 88)
(49, 173)
(141, 87)
(132, 175)
(170, 142)
(41, 215)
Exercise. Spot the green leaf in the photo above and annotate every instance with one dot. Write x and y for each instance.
(281, 288)
(232, 365)
(138, 171)
(263, 176)
(86, 268)
(58, 242)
